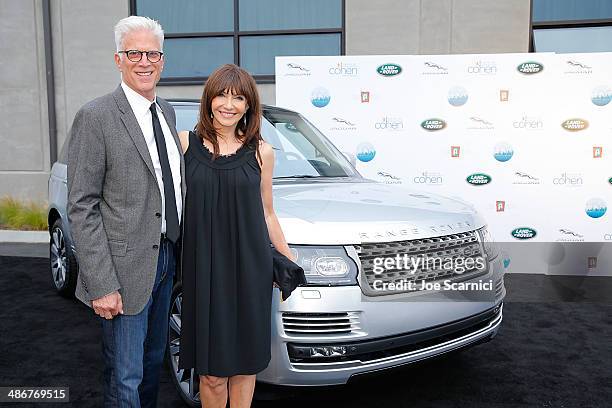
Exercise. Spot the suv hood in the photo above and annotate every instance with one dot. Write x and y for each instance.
(328, 213)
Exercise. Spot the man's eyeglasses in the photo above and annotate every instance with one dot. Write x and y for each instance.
(136, 55)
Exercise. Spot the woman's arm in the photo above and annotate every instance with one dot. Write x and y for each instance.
(184, 138)
(274, 229)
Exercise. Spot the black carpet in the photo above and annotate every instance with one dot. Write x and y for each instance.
(554, 349)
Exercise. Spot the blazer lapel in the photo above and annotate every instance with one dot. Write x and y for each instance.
(133, 128)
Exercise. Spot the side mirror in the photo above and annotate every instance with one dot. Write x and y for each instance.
(351, 158)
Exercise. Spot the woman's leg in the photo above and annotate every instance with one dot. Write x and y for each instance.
(241, 389)
(213, 391)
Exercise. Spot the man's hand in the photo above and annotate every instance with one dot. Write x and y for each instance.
(108, 306)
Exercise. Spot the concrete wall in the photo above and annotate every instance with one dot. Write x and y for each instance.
(24, 156)
(436, 26)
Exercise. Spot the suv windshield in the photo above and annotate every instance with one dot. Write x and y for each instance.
(301, 151)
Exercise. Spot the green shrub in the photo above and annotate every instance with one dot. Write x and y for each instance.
(22, 215)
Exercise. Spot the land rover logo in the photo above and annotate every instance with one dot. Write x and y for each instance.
(610, 180)
(478, 179)
(433, 124)
(523, 233)
(575, 124)
(530, 67)
(389, 69)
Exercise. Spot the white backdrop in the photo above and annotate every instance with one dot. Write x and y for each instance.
(536, 127)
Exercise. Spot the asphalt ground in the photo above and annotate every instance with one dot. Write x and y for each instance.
(554, 349)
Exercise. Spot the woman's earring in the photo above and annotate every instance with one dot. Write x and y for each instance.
(244, 119)
(211, 115)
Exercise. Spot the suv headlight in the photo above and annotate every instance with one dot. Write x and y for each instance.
(490, 246)
(328, 265)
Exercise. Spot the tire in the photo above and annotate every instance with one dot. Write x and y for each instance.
(186, 385)
(62, 262)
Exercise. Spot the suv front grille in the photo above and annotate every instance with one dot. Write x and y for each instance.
(461, 245)
(320, 324)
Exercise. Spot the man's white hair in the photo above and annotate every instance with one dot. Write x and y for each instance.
(136, 23)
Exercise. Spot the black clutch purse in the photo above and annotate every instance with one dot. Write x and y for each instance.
(287, 274)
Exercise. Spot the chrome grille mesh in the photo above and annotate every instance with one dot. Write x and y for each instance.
(461, 245)
(320, 324)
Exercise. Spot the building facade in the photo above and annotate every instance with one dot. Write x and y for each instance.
(58, 54)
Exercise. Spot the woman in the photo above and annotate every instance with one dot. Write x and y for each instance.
(229, 224)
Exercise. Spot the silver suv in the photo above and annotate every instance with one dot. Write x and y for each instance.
(353, 316)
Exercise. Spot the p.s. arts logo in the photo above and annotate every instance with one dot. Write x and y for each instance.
(567, 235)
(481, 67)
(528, 123)
(523, 233)
(343, 69)
(296, 70)
(457, 96)
(365, 152)
(432, 68)
(478, 179)
(601, 96)
(530, 68)
(503, 152)
(478, 123)
(342, 125)
(433, 124)
(575, 124)
(389, 178)
(388, 70)
(320, 97)
(389, 123)
(577, 67)
(596, 208)
(568, 180)
(525, 178)
(429, 178)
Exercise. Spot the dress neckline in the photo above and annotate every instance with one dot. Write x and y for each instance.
(228, 161)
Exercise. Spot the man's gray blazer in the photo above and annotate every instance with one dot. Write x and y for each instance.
(114, 202)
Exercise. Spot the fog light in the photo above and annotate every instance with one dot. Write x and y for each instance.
(327, 351)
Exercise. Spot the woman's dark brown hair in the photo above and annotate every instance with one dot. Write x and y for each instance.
(231, 78)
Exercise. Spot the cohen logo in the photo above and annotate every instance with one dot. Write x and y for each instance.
(344, 69)
(524, 233)
(430, 178)
(575, 124)
(478, 179)
(389, 70)
(569, 180)
(389, 123)
(433, 124)
(529, 68)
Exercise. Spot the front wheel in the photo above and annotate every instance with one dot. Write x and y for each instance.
(187, 382)
(63, 264)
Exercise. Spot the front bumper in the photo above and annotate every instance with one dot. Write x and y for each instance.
(369, 336)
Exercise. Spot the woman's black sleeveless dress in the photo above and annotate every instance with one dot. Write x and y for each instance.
(226, 263)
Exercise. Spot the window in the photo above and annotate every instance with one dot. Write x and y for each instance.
(567, 26)
(203, 34)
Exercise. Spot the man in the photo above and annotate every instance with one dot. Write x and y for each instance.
(125, 195)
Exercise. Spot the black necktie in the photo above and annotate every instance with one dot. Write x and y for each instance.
(172, 222)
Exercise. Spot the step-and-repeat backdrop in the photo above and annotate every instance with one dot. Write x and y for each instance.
(526, 138)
